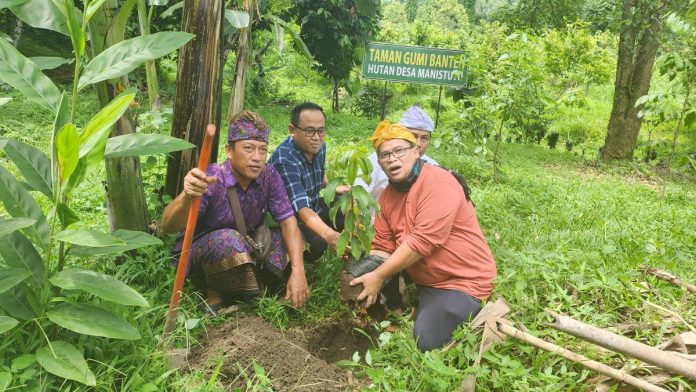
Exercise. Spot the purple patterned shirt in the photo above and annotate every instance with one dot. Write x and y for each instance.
(266, 193)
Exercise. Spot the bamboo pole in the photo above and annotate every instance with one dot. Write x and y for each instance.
(666, 276)
(624, 345)
(182, 267)
(601, 368)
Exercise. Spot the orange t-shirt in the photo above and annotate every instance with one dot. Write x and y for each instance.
(436, 220)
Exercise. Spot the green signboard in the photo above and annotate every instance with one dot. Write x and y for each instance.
(413, 64)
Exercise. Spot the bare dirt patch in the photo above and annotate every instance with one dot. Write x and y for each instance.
(297, 360)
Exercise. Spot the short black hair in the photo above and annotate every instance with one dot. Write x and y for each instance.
(297, 110)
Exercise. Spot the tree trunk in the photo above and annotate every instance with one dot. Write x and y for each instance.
(638, 43)
(236, 104)
(125, 196)
(334, 106)
(197, 102)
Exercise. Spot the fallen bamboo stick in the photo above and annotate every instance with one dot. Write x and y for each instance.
(601, 368)
(624, 345)
(666, 276)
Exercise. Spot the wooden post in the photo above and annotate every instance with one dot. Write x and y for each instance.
(384, 101)
(437, 113)
(624, 345)
(579, 359)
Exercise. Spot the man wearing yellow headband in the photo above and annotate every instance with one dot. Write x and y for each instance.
(428, 228)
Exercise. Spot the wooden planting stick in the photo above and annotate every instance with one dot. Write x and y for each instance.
(182, 267)
(666, 276)
(624, 345)
(601, 368)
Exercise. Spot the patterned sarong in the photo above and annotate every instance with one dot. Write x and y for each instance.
(223, 260)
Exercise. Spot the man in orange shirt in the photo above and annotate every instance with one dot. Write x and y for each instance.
(428, 228)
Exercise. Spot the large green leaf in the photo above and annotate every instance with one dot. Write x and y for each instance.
(77, 36)
(170, 11)
(299, 44)
(20, 204)
(67, 362)
(45, 63)
(91, 320)
(16, 304)
(11, 277)
(11, 3)
(45, 14)
(18, 252)
(238, 19)
(93, 137)
(22, 74)
(5, 380)
(93, 7)
(67, 216)
(117, 28)
(34, 165)
(134, 144)
(133, 239)
(88, 237)
(99, 284)
(67, 151)
(8, 226)
(126, 56)
(6, 324)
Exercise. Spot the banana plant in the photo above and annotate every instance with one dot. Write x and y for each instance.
(346, 164)
(37, 293)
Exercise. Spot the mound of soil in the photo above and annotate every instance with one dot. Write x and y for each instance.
(293, 360)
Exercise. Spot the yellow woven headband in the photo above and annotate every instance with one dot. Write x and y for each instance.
(387, 131)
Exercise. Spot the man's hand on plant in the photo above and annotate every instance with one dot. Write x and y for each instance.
(372, 285)
(196, 183)
(297, 291)
(341, 189)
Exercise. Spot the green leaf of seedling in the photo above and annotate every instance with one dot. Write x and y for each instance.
(91, 320)
(9, 226)
(89, 237)
(10, 277)
(99, 284)
(368, 357)
(136, 144)
(345, 363)
(64, 360)
(238, 19)
(329, 193)
(127, 55)
(342, 243)
(67, 218)
(34, 165)
(350, 222)
(6, 324)
(22, 362)
(22, 74)
(18, 252)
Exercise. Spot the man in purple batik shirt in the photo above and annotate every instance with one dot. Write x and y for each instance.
(221, 259)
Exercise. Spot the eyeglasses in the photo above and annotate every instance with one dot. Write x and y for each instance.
(310, 132)
(397, 153)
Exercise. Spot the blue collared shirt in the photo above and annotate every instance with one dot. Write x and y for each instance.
(303, 178)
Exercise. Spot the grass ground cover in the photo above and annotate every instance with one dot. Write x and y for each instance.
(567, 234)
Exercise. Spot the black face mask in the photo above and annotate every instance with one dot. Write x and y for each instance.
(405, 185)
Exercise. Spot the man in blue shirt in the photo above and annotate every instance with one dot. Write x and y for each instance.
(301, 161)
